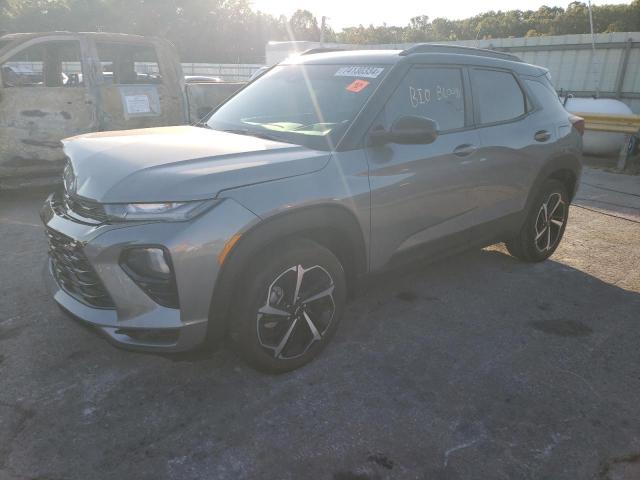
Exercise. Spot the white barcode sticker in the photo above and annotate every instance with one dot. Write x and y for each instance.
(361, 71)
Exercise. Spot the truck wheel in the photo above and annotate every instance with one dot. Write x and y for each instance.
(544, 226)
(288, 305)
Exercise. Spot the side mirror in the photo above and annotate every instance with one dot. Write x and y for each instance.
(408, 129)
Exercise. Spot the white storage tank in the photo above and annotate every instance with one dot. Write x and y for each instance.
(600, 143)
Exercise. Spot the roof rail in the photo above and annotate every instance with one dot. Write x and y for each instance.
(440, 48)
(311, 51)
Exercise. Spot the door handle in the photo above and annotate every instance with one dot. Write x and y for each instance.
(464, 150)
(542, 136)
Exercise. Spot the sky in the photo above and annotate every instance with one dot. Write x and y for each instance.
(346, 13)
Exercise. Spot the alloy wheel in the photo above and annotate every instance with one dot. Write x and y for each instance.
(549, 222)
(298, 311)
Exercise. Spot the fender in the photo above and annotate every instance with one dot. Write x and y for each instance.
(554, 168)
(333, 226)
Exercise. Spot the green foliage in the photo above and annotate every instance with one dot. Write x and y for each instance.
(512, 23)
(230, 31)
(304, 26)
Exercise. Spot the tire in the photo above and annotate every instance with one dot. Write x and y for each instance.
(541, 234)
(275, 333)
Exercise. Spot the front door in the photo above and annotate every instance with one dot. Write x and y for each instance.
(421, 193)
(134, 88)
(43, 99)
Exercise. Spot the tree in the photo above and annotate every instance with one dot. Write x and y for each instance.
(231, 31)
(304, 26)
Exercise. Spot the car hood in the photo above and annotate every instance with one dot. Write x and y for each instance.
(179, 163)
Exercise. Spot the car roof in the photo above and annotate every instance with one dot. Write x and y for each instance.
(346, 57)
(422, 53)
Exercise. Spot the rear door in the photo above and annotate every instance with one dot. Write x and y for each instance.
(505, 162)
(422, 193)
(44, 98)
(136, 88)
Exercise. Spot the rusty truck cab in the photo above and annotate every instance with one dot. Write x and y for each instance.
(61, 84)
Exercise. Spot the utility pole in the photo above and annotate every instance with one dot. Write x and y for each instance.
(595, 71)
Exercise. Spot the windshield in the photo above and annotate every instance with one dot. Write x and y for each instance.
(310, 105)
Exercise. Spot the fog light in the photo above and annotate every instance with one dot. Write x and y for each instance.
(148, 262)
(150, 268)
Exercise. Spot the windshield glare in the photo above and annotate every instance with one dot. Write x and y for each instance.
(310, 105)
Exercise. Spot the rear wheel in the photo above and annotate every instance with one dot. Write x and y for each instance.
(289, 305)
(544, 226)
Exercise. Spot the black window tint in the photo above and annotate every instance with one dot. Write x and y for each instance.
(129, 64)
(435, 93)
(497, 95)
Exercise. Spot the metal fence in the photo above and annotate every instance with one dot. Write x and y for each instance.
(228, 72)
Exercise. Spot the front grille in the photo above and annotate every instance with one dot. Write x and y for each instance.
(84, 208)
(74, 273)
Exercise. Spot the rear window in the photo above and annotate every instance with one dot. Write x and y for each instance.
(498, 96)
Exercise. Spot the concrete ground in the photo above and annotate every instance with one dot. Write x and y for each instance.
(474, 367)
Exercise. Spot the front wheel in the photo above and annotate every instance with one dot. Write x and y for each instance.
(544, 226)
(289, 305)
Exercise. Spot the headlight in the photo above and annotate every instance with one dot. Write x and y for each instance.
(167, 211)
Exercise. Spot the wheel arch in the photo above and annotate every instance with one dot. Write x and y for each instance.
(333, 226)
(565, 168)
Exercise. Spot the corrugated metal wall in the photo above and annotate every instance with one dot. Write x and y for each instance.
(229, 72)
(614, 70)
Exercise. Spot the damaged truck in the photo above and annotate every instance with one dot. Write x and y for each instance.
(57, 85)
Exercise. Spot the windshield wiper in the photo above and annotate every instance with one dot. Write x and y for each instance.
(253, 133)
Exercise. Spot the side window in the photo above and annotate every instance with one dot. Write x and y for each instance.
(48, 64)
(124, 64)
(544, 93)
(498, 96)
(432, 92)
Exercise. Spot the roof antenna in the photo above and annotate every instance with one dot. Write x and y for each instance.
(594, 71)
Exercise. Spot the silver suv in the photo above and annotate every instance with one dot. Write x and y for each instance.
(256, 224)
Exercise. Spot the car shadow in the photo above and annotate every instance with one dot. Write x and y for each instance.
(549, 297)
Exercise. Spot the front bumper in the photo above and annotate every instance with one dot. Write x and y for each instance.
(136, 321)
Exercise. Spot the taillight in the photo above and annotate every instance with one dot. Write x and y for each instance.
(578, 123)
